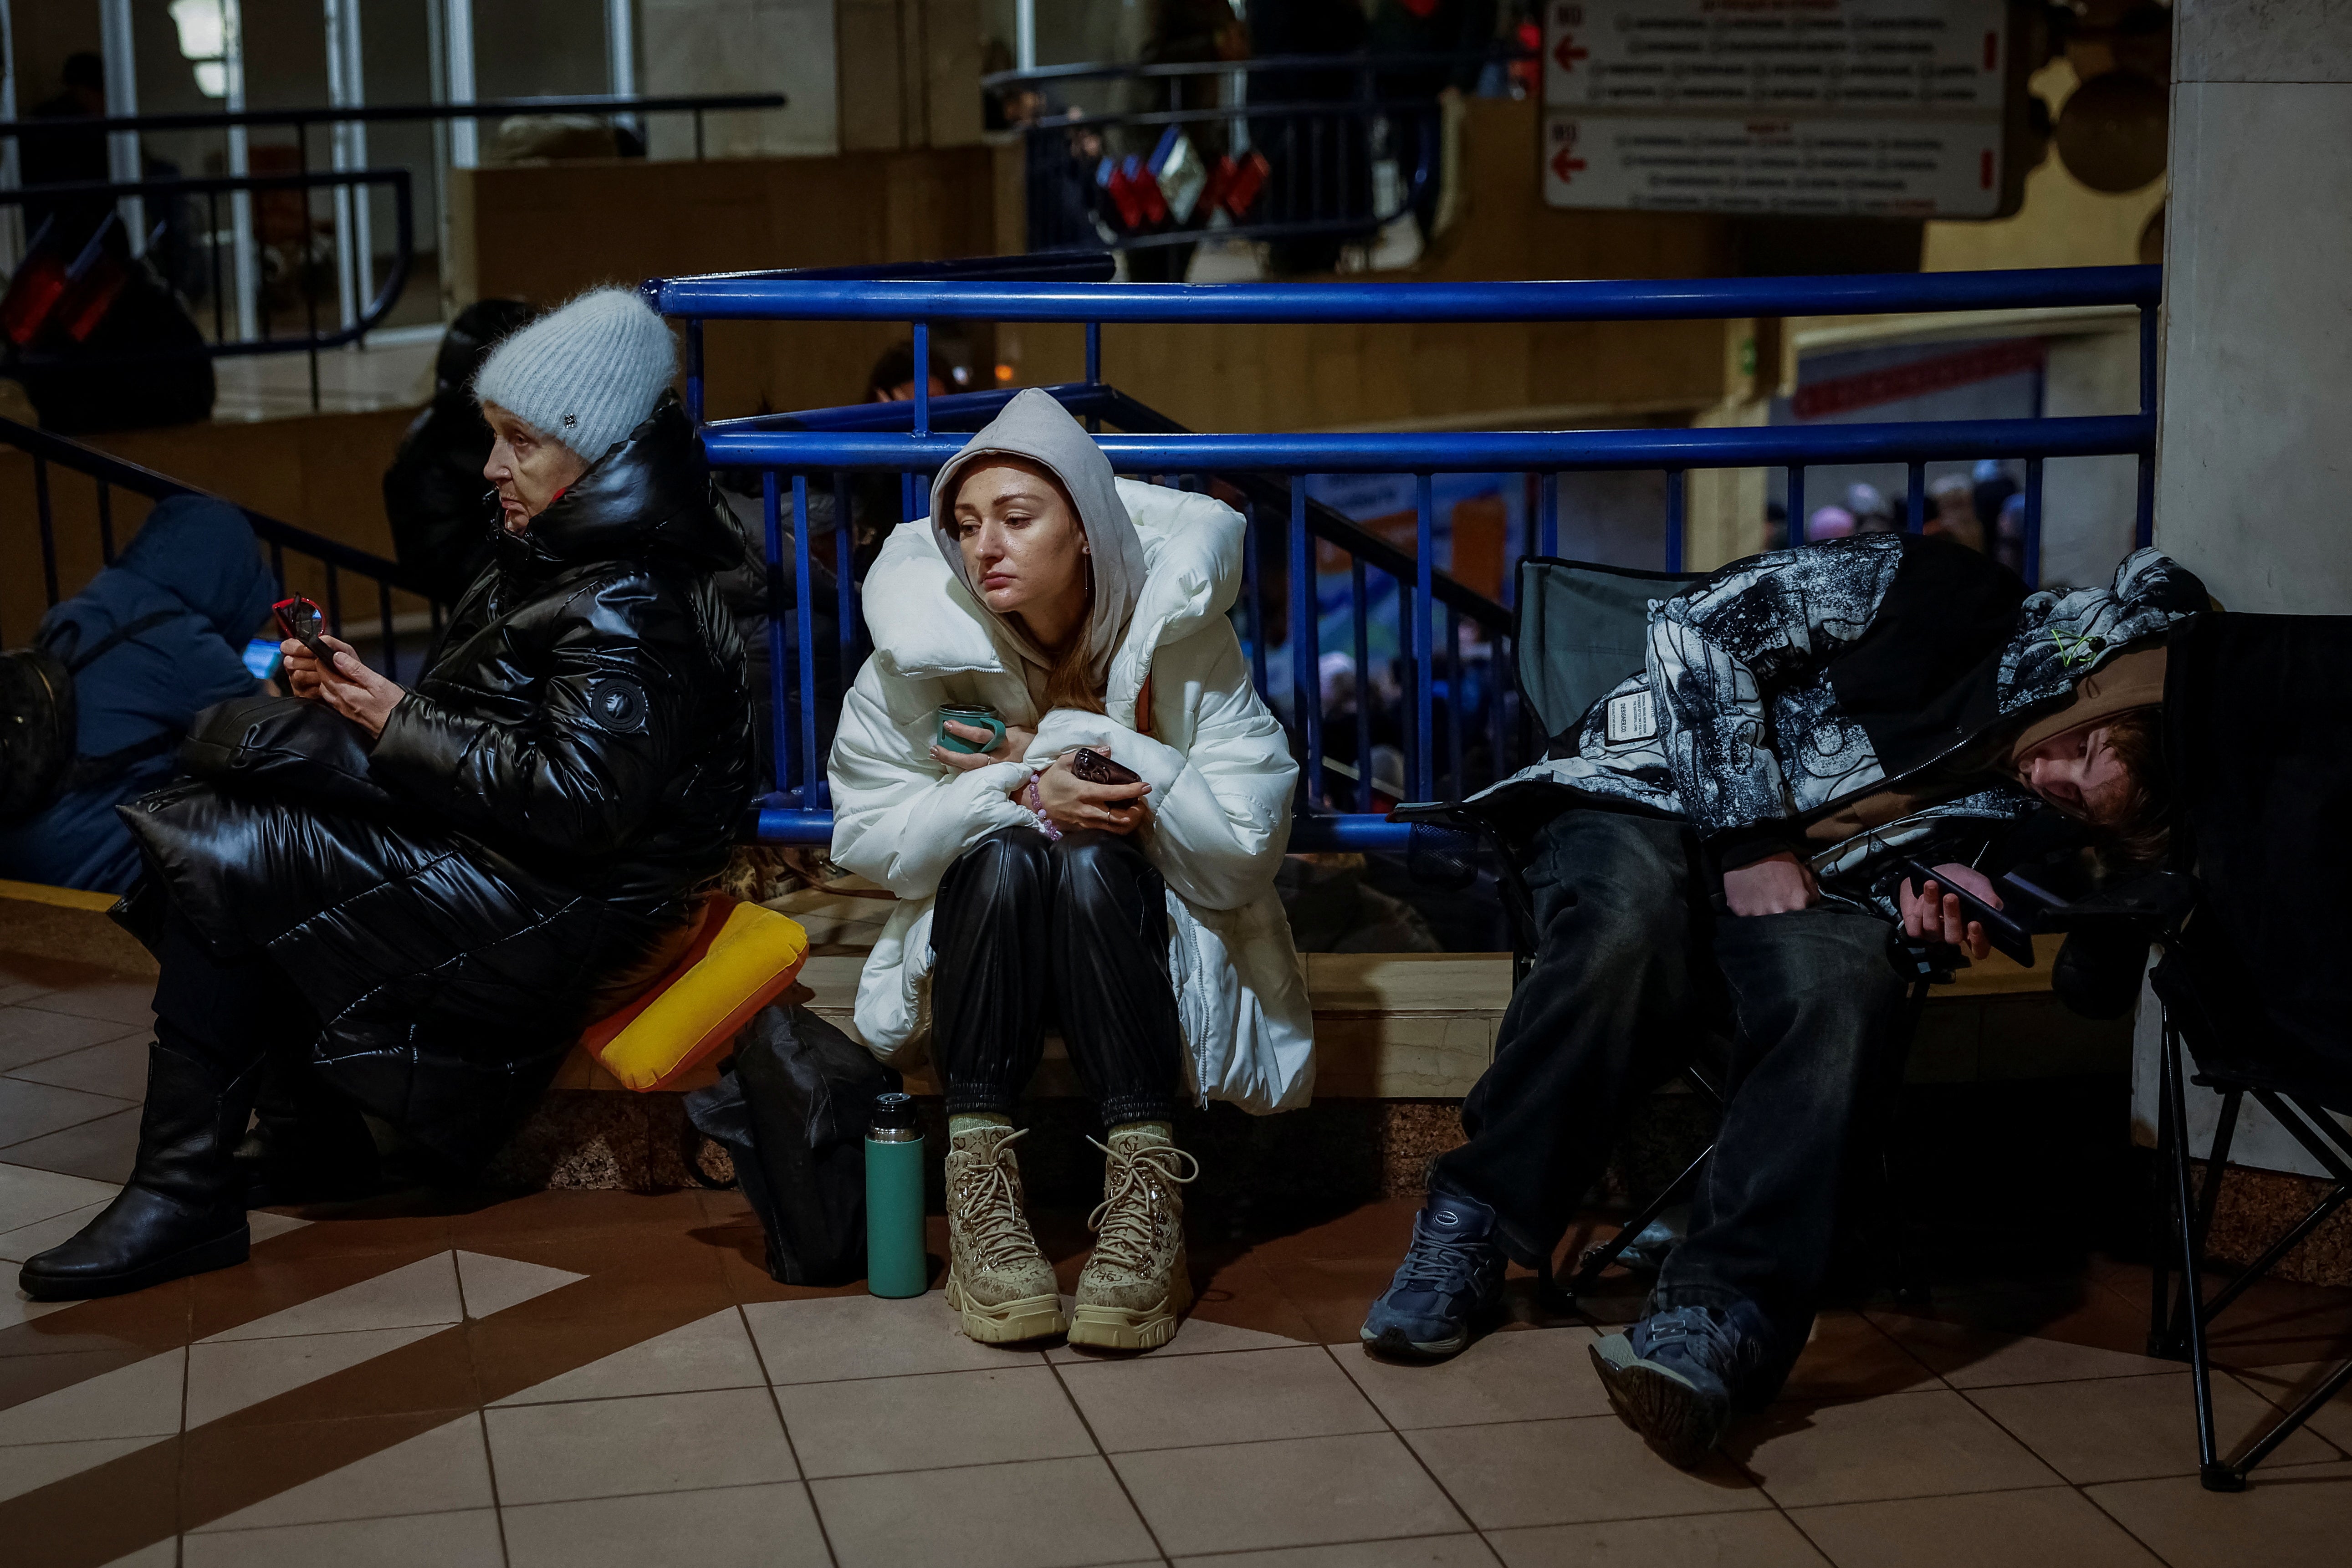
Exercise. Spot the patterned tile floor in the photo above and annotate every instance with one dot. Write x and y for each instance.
(578, 1379)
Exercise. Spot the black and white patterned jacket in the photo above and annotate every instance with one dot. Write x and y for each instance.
(1873, 679)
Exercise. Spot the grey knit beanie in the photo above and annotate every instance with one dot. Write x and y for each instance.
(586, 373)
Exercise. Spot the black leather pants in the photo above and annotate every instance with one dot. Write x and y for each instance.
(1029, 930)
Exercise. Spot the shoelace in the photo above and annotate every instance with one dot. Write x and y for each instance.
(1435, 1263)
(1122, 1221)
(992, 1213)
(1700, 1335)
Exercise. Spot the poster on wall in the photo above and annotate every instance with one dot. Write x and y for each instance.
(1863, 107)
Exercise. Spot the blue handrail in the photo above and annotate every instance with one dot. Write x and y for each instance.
(800, 298)
(1269, 470)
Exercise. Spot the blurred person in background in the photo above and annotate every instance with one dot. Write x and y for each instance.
(1872, 512)
(154, 640)
(1829, 522)
(443, 521)
(1334, 165)
(1952, 512)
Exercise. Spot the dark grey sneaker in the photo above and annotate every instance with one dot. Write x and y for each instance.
(1675, 1374)
(1446, 1289)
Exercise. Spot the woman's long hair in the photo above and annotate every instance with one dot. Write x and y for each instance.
(1068, 680)
(2140, 837)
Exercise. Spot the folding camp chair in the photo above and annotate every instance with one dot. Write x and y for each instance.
(2251, 987)
(1580, 629)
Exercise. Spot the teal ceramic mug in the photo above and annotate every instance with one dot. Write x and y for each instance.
(977, 716)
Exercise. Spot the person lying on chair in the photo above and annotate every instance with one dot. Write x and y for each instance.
(1723, 831)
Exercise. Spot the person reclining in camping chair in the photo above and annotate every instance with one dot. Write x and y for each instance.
(1728, 826)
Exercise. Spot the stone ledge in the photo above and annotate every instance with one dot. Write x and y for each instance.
(2255, 1209)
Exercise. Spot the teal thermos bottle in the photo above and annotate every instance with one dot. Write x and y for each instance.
(893, 1199)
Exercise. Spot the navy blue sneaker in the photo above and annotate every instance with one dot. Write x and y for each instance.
(1675, 1374)
(1446, 1289)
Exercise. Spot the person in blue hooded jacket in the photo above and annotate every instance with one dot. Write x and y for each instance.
(196, 565)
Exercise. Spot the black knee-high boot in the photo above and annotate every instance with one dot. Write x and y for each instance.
(219, 1022)
(182, 1211)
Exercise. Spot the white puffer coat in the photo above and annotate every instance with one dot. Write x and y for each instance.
(1220, 773)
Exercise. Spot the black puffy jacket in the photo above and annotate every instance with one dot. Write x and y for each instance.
(573, 762)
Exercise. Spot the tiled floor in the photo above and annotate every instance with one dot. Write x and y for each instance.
(579, 1379)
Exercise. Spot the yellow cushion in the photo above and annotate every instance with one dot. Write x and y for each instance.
(741, 959)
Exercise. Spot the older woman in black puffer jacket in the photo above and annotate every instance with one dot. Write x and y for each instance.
(449, 880)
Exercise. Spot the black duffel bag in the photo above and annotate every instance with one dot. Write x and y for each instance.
(790, 1108)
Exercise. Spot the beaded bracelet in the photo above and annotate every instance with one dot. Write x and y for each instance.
(1036, 804)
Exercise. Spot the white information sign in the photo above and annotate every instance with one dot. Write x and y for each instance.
(1861, 107)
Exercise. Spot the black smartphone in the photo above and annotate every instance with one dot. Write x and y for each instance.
(302, 620)
(2008, 935)
(1095, 767)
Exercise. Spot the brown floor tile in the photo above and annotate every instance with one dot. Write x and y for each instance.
(1848, 1358)
(541, 1216)
(126, 1002)
(315, 1472)
(2069, 1308)
(2287, 1519)
(102, 1151)
(1971, 1358)
(770, 1526)
(117, 1067)
(371, 1371)
(467, 1540)
(1332, 1294)
(29, 1035)
(1244, 1396)
(2124, 1428)
(1930, 1444)
(101, 1514)
(1378, 1231)
(290, 1275)
(657, 1443)
(644, 1272)
(1531, 1375)
(28, 1467)
(1305, 1491)
(1571, 1472)
(934, 1421)
(2048, 1527)
(1043, 1513)
(2286, 1387)
(102, 1396)
(1242, 1294)
(1759, 1540)
(124, 1327)
(2276, 1321)
(29, 1110)
(1415, 1551)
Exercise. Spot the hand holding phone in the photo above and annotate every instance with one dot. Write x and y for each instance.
(303, 621)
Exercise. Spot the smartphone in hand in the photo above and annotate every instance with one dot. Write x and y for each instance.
(302, 620)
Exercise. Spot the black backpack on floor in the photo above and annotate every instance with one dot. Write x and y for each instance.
(790, 1108)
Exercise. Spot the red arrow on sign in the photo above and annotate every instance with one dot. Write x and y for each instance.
(1567, 53)
(1565, 163)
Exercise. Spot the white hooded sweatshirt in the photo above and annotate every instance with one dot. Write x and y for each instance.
(1219, 769)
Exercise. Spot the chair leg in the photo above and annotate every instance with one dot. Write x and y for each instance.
(2161, 1337)
(2211, 1472)
(1597, 1260)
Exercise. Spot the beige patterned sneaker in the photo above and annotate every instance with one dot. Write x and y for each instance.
(1136, 1285)
(997, 1278)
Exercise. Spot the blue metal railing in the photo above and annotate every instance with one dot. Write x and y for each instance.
(913, 439)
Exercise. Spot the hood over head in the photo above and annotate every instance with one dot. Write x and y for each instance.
(202, 551)
(1035, 427)
(650, 495)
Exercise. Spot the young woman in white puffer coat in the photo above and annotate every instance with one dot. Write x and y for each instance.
(1086, 612)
